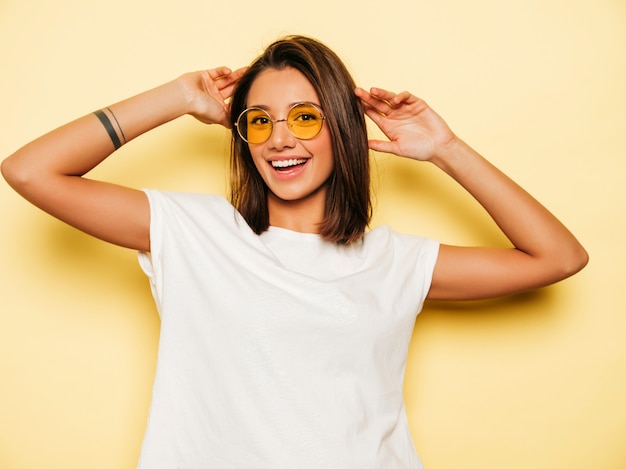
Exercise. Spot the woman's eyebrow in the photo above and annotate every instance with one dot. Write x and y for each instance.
(260, 106)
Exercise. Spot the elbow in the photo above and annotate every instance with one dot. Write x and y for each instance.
(7, 168)
(573, 262)
(15, 174)
(7, 171)
(581, 259)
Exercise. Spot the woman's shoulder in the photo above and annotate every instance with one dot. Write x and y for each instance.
(187, 202)
(179, 197)
(194, 210)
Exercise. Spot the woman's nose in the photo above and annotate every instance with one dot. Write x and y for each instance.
(281, 136)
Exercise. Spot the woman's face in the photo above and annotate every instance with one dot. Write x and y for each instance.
(294, 170)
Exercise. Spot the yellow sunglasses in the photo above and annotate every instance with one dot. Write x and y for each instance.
(304, 121)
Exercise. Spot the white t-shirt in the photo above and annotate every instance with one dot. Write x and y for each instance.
(280, 350)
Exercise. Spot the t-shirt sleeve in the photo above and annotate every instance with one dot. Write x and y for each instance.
(421, 256)
(429, 257)
(181, 225)
(148, 261)
(191, 235)
(404, 264)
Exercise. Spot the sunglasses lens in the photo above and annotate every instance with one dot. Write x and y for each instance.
(305, 121)
(254, 125)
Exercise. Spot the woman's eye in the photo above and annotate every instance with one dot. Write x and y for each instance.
(305, 117)
(259, 121)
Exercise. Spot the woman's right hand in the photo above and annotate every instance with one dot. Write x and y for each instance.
(207, 93)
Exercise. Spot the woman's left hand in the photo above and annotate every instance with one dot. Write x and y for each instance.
(414, 130)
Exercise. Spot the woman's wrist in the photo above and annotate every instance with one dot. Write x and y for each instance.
(447, 156)
(186, 88)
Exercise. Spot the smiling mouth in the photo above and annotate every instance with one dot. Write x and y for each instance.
(283, 165)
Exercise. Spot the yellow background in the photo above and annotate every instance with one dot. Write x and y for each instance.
(537, 86)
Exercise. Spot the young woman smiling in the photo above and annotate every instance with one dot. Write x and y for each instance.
(285, 324)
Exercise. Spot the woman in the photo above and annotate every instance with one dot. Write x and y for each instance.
(284, 324)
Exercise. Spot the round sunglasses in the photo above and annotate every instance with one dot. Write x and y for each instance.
(304, 121)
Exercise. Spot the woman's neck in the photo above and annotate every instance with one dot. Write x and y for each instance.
(302, 215)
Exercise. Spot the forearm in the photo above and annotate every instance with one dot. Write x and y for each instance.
(530, 227)
(77, 147)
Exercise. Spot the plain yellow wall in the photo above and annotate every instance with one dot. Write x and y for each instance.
(537, 86)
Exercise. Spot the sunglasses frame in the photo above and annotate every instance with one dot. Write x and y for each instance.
(275, 121)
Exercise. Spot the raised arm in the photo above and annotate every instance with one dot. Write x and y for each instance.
(49, 171)
(543, 252)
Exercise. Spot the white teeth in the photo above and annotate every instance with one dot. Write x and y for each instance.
(287, 163)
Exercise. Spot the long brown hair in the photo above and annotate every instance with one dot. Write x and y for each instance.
(348, 204)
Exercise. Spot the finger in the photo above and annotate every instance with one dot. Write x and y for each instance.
(394, 100)
(219, 72)
(232, 76)
(375, 115)
(369, 97)
(380, 146)
(237, 74)
(226, 90)
(382, 94)
(403, 98)
(226, 84)
(373, 102)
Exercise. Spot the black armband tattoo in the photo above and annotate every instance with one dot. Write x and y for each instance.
(118, 124)
(109, 127)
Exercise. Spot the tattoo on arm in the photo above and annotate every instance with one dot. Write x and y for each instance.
(108, 126)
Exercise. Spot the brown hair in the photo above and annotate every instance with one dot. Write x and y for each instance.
(348, 205)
